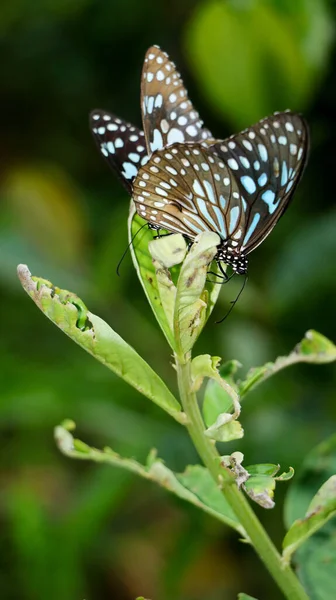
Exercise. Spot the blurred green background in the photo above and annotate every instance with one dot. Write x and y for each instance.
(70, 530)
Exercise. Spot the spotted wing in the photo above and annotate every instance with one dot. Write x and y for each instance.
(267, 161)
(122, 144)
(188, 189)
(167, 114)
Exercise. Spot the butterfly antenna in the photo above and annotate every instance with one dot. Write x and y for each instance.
(233, 303)
(128, 247)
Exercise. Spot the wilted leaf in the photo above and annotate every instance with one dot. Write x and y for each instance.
(69, 313)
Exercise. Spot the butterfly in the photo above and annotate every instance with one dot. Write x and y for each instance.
(167, 117)
(238, 188)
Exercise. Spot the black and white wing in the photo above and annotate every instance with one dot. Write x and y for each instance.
(167, 114)
(122, 145)
(189, 189)
(267, 161)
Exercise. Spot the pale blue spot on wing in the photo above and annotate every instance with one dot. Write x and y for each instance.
(205, 213)
(198, 188)
(263, 152)
(251, 228)
(222, 201)
(284, 173)
(220, 219)
(234, 214)
(248, 184)
(130, 170)
(268, 197)
(262, 179)
(290, 183)
(210, 192)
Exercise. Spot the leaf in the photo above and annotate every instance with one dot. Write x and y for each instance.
(225, 427)
(246, 597)
(167, 252)
(321, 509)
(195, 485)
(145, 269)
(191, 306)
(69, 313)
(316, 558)
(216, 399)
(258, 481)
(314, 348)
(277, 60)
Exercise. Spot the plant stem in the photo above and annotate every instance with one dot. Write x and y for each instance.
(263, 545)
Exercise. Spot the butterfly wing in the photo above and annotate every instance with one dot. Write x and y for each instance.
(188, 189)
(167, 113)
(121, 144)
(267, 161)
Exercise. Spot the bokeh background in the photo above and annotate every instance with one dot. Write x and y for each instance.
(70, 530)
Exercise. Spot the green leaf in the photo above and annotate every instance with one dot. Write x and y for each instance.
(321, 509)
(69, 313)
(316, 558)
(261, 482)
(191, 306)
(167, 252)
(225, 427)
(246, 597)
(195, 485)
(314, 348)
(181, 310)
(216, 399)
(318, 466)
(279, 55)
(145, 269)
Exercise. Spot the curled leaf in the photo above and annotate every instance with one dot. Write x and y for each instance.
(226, 427)
(191, 306)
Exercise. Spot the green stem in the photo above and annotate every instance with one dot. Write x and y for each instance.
(283, 575)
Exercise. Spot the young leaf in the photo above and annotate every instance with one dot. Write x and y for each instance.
(216, 399)
(195, 485)
(321, 509)
(69, 313)
(258, 481)
(166, 252)
(143, 263)
(226, 426)
(314, 348)
(191, 308)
